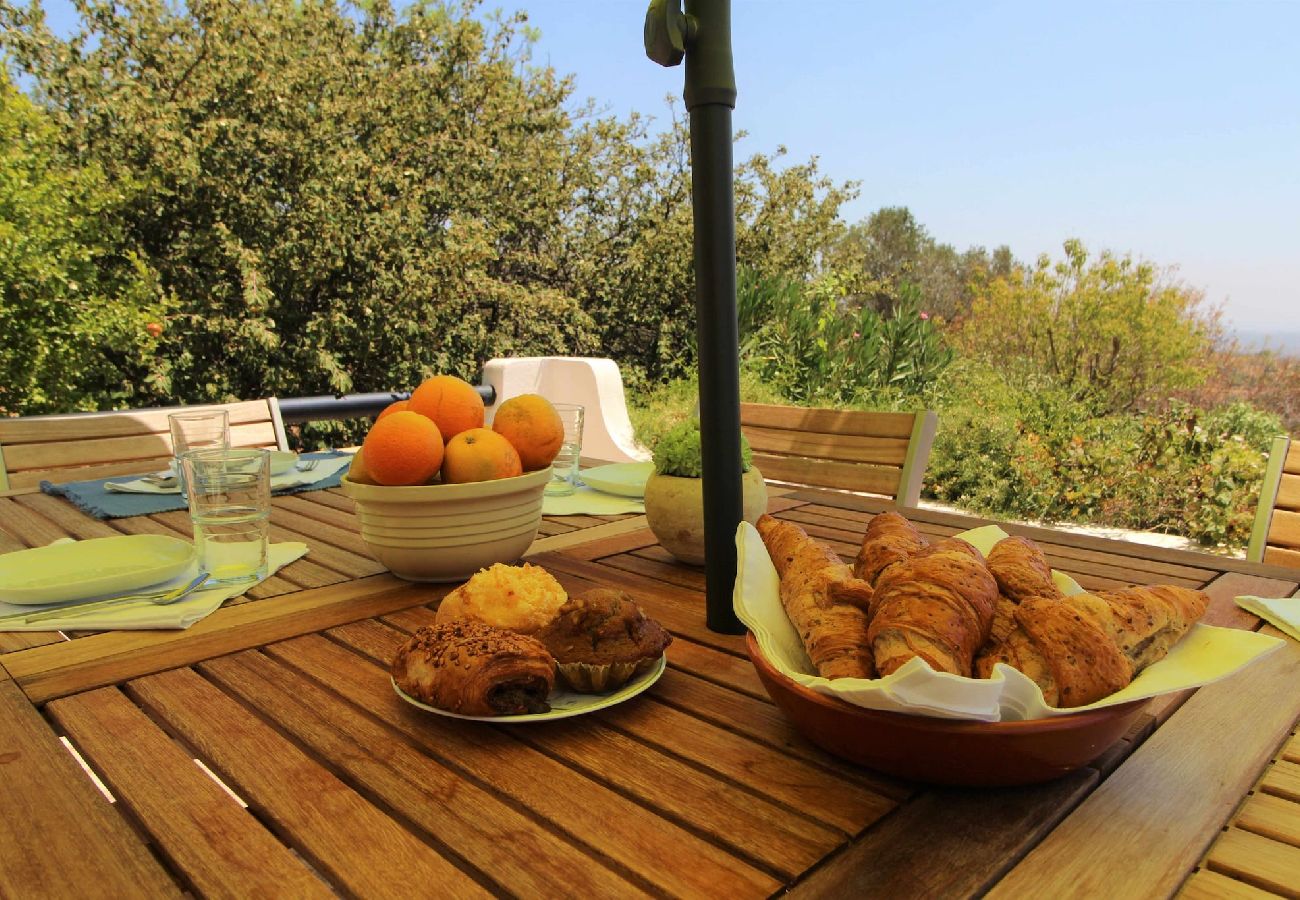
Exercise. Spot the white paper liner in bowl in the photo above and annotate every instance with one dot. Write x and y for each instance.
(1205, 654)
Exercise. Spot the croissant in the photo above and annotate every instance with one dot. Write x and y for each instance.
(1009, 643)
(1022, 573)
(1079, 649)
(823, 600)
(1021, 570)
(1146, 621)
(938, 605)
(1075, 661)
(889, 540)
(475, 669)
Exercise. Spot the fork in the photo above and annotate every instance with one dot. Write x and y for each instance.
(307, 465)
(160, 480)
(157, 598)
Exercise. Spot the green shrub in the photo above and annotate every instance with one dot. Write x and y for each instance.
(656, 410)
(812, 347)
(1112, 331)
(1011, 447)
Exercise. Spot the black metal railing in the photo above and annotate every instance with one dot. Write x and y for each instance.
(297, 410)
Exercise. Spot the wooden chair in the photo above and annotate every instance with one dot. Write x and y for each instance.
(81, 446)
(1276, 535)
(874, 452)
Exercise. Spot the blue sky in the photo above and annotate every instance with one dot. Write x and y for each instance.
(1170, 130)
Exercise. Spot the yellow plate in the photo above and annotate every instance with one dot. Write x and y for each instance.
(80, 570)
(564, 703)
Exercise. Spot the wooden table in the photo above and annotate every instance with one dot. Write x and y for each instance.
(263, 752)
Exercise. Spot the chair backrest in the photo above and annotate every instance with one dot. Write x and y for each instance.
(874, 452)
(1276, 536)
(81, 446)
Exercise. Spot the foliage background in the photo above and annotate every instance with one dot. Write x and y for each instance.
(295, 197)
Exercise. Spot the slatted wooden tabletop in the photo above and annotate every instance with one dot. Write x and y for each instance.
(263, 752)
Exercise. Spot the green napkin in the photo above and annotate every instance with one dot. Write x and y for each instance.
(1283, 612)
(144, 615)
(587, 502)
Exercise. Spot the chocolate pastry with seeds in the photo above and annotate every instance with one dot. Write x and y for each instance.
(475, 669)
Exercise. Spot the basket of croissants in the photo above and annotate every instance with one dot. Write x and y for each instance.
(938, 662)
(511, 644)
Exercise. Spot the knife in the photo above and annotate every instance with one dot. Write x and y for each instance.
(157, 598)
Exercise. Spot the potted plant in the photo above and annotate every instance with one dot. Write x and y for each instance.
(674, 493)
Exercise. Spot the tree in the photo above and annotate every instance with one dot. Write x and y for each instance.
(891, 249)
(340, 199)
(1111, 330)
(348, 198)
(75, 304)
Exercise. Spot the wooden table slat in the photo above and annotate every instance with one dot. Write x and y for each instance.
(483, 830)
(26, 525)
(1206, 885)
(344, 835)
(948, 843)
(549, 788)
(1256, 860)
(1282, 780)
(179, 804)
(58, 835)
(1272, 817)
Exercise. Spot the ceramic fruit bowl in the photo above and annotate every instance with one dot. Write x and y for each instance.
(946, 751)
(447, 532)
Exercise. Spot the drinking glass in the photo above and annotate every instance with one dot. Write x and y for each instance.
(229, 494)
(206, 430)
(564, 468)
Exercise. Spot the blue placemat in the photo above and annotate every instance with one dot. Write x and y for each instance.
(91, 497)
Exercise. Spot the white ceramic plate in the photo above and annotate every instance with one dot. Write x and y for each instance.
(83, 569)
(623, 479)
(564, 703)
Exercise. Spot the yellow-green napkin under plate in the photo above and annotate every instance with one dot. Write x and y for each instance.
(1283, 612)
(136, 616)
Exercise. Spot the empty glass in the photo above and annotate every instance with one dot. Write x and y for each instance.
(564, 468)
(229, 493)
(204, 430)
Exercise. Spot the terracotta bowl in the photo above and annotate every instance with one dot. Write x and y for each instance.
(447, 532)
(944, 751)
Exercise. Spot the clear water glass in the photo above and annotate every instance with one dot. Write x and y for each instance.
(230, 508)
(200, 430)
(564, 468)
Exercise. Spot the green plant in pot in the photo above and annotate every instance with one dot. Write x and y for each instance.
(674, 494)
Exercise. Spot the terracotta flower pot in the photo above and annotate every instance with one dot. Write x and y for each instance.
(674, 508)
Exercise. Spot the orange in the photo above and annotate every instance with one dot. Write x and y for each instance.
(452, 404)
(391, 408)
(479, 454)
(357, 472)
(532, 425)
(405, 448)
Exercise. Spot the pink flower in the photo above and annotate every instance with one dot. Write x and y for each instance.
(925, 316)
(857, 334)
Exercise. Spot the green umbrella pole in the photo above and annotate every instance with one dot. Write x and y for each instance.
(719, 352)
(703, 36)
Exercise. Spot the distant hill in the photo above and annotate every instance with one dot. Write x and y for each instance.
(1286, 343)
